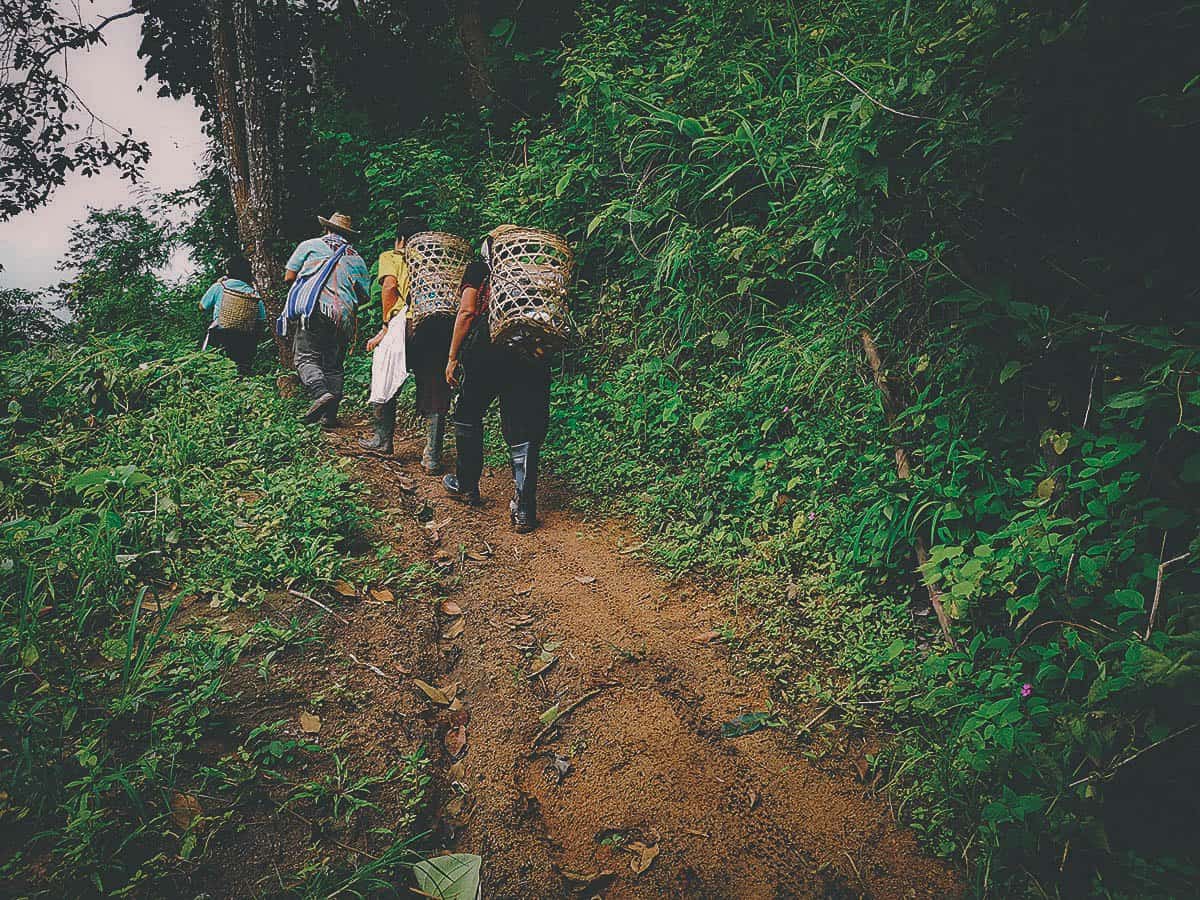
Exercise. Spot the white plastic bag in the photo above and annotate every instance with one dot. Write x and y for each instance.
(389, 368)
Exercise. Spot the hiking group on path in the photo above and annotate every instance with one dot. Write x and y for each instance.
(459, 347)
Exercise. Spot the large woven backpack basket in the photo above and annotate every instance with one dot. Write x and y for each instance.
(239, 311)
(531, 271)
(436, 263)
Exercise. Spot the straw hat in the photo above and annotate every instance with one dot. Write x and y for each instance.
(339, 222)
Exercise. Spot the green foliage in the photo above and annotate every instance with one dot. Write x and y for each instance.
(142, 480)
(750, 187)
(116, 252)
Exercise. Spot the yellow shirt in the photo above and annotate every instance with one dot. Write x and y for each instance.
(393, 263)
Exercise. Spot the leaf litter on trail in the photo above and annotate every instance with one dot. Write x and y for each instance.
(643, 855)
(309, 723)
(542, 664)
(185, 809)
(586, 579)
(450, 608)
(456, 876)
(456, 741)
(436, 695)
(383, 595)
(345, 589)
(455, 630)
(523, 589)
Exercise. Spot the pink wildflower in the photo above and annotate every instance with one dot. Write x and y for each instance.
(1026, 690)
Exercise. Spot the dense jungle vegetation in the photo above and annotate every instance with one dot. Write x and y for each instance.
(996, 201)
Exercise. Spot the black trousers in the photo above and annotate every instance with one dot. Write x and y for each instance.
(427, 350)
(521, 383)
(237, 345)
(320, 354)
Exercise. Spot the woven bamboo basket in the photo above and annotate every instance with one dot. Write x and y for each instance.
(527, 306)
(436, 263)
(239, 312)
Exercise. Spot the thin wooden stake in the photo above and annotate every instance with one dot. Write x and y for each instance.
(904, 471)
(570, 709)
(341, 619)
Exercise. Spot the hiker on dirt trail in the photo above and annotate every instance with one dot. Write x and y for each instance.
(238, 344)
(328, 281)
(423, 352)
(489, 371)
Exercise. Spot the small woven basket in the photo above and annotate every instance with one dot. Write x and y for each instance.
(239, 312)
(531, 271)
(436, 263)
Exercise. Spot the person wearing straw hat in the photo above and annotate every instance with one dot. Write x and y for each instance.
(425, 355)
(328, 281)
(487, 371)
(238, 345)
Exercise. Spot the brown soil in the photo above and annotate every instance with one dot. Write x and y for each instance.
(645, 758)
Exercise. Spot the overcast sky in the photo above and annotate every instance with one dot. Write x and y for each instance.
(108, 78)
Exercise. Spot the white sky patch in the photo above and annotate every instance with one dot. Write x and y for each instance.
(107, 77)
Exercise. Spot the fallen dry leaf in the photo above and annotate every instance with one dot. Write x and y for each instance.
(697, 832)
(521, 621)
(345, 589)
(443, 559)
(586, 579)
(456, 741)
(185, 809)
(437, 695)
(450, 608)
(525, 642)
(542, 665)
(708, 637)
(455, 630)
(457, 772)
(477, 556)
(562, 766)
(643, 855)
(406, 484)
(383, 595)
(586, 879)
(309, 723)
(523, 589)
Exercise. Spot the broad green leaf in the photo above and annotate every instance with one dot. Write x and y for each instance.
(456, 876)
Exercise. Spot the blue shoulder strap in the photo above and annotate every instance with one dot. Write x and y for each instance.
(305, 291)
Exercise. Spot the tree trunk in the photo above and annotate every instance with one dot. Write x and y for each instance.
(473, 39)
(248, 128)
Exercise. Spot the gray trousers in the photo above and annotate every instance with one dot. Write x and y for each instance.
(320, 351)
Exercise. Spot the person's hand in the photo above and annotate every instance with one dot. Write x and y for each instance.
(452, 372)
(375, 341)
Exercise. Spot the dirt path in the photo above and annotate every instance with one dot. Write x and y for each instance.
(642, 764)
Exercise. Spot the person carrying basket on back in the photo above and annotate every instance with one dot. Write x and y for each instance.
(421, 350)
(238, 344)
(490, 371)
(328, 281)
